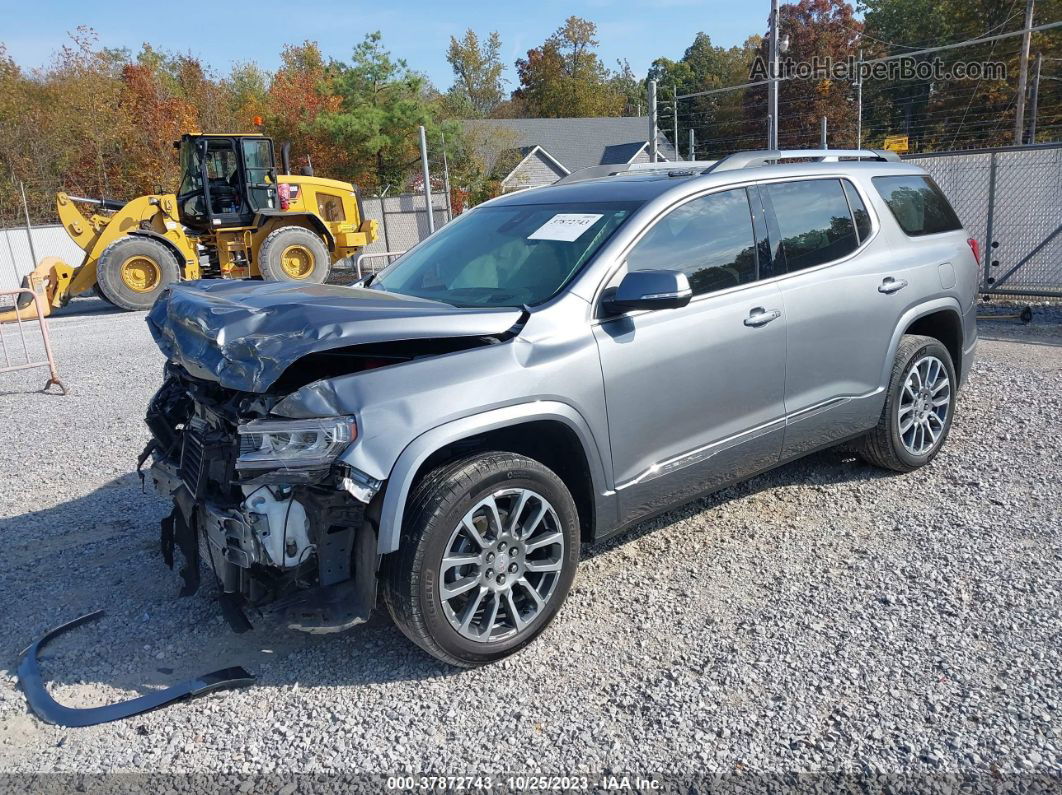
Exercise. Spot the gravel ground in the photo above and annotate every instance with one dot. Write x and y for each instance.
(826, 616)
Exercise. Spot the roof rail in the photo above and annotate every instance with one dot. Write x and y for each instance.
(614, 169)
(765, 156)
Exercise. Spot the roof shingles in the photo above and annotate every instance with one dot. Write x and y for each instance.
(575, 143)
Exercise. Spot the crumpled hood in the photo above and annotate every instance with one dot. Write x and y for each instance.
(244, 334)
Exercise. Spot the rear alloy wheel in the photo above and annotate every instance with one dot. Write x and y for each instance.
(488, 553)
(294, 254)
(133, 271)
(918, 407)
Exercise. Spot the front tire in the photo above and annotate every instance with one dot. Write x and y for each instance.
(919, 407)
(294, 254)
(489, 550)
(133, 271)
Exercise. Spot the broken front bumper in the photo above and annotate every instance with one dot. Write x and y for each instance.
(292, 541)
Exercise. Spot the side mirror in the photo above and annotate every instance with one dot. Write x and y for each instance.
(649, 290)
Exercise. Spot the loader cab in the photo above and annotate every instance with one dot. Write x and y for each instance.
(225, 180)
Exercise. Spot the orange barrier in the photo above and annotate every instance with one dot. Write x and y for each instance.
(10, 364)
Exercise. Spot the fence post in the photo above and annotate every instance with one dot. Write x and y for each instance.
(652, 122)
(427, 181)
(29, 228)
(991, 215)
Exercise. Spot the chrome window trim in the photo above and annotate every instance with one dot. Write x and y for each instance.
(621, 258)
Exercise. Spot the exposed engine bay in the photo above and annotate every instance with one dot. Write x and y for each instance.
(264, 504)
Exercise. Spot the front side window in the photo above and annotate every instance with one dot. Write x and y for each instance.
(814, 221)
(508, 255)
(917, 204)
(710, 239)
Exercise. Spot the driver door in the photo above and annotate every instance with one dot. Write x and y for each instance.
(695, 395)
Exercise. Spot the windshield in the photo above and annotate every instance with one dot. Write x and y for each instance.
(511, 255)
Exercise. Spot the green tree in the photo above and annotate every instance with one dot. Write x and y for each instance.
(564, 77)
(718, 120)
(382, 102)
(478, 82)
(950, 113)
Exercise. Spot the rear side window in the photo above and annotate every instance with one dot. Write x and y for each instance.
(709, 239)
(917, 204)
(814, 221)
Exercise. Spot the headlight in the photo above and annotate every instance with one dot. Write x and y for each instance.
(266, 444)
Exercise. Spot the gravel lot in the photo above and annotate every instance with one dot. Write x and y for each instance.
(825, 616)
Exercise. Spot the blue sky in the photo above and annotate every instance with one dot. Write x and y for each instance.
(221, 33)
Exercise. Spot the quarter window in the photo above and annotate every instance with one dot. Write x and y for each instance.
(710, 239)
(814, 221)
(859, 210)
(917, 204)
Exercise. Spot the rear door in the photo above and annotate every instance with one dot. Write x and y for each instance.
(694, 395)
(840, 306)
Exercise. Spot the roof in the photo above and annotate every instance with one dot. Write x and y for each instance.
(574, 143)
(644, 186)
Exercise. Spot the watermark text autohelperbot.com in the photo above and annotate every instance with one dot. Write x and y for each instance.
(822, 67)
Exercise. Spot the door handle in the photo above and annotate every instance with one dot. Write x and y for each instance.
(761, 317)
(891, 285)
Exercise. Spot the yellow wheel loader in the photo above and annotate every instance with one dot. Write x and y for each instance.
(234, 216)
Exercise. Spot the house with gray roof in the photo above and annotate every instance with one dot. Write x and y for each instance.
(529, 153)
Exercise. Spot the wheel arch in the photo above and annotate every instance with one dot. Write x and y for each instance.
(940, 319)
(541, 430)
(269, 222)
(182, 256)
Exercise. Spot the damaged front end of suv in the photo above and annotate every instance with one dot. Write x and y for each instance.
(267, 501)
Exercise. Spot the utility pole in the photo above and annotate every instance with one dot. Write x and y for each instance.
(1035, 101)
(859, 103)
(427, 180)
(822, 135)
(772, 85)
(1023, 74)
(652, 122)
(693, 149)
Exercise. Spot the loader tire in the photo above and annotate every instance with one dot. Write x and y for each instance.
(133, 271)
(294, 254)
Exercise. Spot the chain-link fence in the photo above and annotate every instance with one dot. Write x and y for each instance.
(1011, 200)
(403, 220)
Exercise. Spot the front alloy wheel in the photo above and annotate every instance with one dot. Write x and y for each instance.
(489, 549)
(502, 565)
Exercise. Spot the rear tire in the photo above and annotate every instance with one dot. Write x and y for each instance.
(520, 566)
(133, 271)
(919, 407)
(294, 254)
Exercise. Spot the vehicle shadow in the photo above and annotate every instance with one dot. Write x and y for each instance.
(101, 551)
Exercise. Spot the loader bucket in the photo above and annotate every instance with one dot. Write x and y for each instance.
(49, 281)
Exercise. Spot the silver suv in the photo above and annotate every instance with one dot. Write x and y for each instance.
(548, 369)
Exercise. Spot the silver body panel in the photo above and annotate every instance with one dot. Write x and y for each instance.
(666, 404)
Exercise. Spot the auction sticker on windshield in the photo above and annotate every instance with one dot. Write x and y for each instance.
(565, 226)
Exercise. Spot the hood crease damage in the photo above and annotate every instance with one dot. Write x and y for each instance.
(248, 335)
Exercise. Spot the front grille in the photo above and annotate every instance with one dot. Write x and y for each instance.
(193, 456)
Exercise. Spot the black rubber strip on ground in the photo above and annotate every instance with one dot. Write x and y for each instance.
(51, 711)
